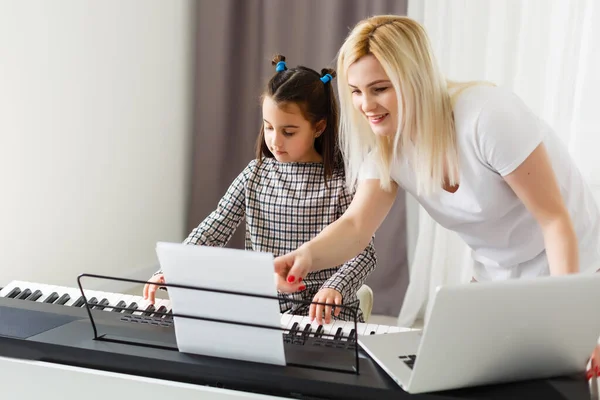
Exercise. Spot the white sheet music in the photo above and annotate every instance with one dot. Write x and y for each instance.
(223, 269)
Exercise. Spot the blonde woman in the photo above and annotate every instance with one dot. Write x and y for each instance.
(473, 155)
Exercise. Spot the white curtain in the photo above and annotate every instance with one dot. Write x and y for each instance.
(546, 51)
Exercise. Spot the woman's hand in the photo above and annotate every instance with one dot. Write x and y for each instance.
(150, 289)
(291, 269)
(327, 295)
(341, 240)
(594, 371)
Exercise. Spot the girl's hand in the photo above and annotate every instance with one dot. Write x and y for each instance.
(150, 289)
(327, 295)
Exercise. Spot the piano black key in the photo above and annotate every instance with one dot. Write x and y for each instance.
(132, 307)
(101, 305)
(169, 315)
(161, 309)
(149, 310)
(372, 333)
(52, 298)
(338, 334)
(80, 302)
(306, 331)
(24, 294)
(352, 335)
(63, 299)
(13, 293)
(294, 328)
(92, 302)
(35, 295)
(119, 304)
(319, 331)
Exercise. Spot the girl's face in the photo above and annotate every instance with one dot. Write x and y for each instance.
(373, 95)
(288, 135)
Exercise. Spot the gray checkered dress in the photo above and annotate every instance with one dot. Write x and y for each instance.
(285, 205)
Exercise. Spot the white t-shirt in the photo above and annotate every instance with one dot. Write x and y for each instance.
(496, 132)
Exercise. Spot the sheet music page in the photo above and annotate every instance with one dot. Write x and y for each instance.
(223, 269)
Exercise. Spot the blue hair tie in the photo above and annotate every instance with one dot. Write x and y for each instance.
(280, 66)
(326, 78)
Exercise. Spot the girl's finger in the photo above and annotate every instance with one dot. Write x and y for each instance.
(320, 313)
(338, 301)
(328, 311)
(312, 311)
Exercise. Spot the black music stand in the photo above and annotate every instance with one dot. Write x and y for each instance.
(297, 337)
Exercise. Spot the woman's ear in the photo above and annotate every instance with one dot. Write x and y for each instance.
(320, 127)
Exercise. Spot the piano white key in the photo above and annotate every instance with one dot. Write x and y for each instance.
(128, 299)
(371, 328)
(295, 319)
(361, 328)
(110, 297)
(91, 294)
(8, 288)
(394, 329)
(113, 300)
(335, 326)
(137, 300)
(75, 294)
(381, 329)
(143, 304)
(348, 327)
(285, 320)
(328, 329)
(303, 322)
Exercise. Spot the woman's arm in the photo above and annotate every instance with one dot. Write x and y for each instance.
(352, 232)
(353, 273)
(341, 240)
(535, 184)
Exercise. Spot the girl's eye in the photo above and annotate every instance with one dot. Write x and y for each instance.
(288, 133)
(355, 91)
(268, 128)
(381, 89)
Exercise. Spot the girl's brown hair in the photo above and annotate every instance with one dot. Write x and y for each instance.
(314, 95)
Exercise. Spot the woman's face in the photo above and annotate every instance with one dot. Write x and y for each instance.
(373, 95)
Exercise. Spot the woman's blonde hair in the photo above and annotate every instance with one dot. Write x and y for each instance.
(425, 130)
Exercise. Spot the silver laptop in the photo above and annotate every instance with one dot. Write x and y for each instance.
(484, 333)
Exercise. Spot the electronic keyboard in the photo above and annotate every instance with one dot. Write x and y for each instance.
(137, 306)
(41, 328)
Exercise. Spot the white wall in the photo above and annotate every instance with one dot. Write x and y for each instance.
(95, 123)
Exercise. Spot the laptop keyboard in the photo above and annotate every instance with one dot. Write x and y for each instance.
(409, 360)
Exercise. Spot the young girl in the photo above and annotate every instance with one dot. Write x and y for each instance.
(292, 190)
